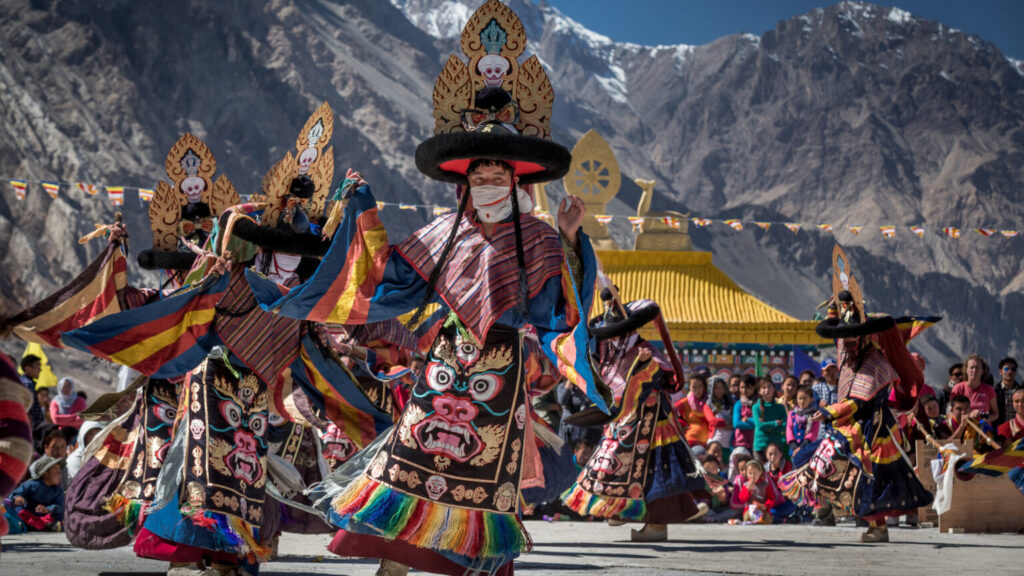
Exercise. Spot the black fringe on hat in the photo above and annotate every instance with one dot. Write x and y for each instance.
(280, 239)
(165, 260)
(637, 317)
(495, 145)
(834, 329)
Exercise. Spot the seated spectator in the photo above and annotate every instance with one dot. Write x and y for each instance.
(775, 467)
(788, 396)
(39, 502)
(66, 405)
(982, 396)
(1013, 429)
(800, 429)
(940, 429)
(721, 406)
(714, 450)
(581, 453)
(769, 419)
(694, 413)
(86, 433)
(737, 461)
(757, 494)
(743, 414)
(721, 492)
(1006, 387)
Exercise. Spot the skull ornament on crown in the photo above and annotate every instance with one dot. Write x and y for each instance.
(309, 155)
(192, 186)
(494, 68)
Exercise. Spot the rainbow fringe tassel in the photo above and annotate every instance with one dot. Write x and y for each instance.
(395, 515)
(587, 504)
(231, 533)
(128, 512)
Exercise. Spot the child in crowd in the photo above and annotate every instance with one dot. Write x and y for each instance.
(39, 502)
(721, 405)
(789, 388)
(721, 492)
(769, 419)
(940, 428)
(743, 415)
(800, 429)
(581, 453)
(694, 413)
(757, 495)
(775, 467)
(737, 460)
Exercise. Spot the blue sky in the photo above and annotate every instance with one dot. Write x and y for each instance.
(700, 21)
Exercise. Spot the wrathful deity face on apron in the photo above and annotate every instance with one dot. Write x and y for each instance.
(619, 466)
(157, 410)
(225, 461)
(460, 439)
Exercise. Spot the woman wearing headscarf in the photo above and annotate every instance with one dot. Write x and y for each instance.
(66, 405)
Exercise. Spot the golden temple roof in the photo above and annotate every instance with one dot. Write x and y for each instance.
(699, 302)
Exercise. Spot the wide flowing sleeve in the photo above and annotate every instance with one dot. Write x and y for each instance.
(361, 279)
(559, 315)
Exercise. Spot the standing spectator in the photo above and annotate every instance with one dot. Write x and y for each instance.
(982, 396)
(1006, 387)
(743, 415)
(65, 407)
(39, 502)
(734, 386)
(694, 413)
(956, 376)
(1013, 428)
(826, 390)
(721, 405)
(37, 413)
(31, 366)
(800, 429)
(769, 419)
(788, 397)
(807, 378)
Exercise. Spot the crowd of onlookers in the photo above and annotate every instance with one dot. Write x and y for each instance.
(746, 430)
(59, 439)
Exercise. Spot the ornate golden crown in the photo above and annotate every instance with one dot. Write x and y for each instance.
(493, 40)
(190, 165)
(313, 157)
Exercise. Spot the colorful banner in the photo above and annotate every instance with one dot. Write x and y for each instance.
(19, 188)
(116, 195)
(51, 189)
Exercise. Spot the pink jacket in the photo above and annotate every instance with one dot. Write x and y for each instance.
(67, 419)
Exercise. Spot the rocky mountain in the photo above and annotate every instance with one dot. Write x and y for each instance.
(850, 114)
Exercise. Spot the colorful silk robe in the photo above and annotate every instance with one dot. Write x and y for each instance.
(447, 477)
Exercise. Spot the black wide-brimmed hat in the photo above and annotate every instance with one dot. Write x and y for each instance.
(836, 329)
(638, 313)
(446, 157)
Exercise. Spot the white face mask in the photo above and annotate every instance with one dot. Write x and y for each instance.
(494, 203)
(282, 266)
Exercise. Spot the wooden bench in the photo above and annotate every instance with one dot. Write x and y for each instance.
(983, 504)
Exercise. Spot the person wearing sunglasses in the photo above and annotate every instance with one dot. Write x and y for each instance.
(1006, 387)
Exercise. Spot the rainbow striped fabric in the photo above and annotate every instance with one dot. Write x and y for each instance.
(93, 294)
(996, 462)
(330, 387)
(163, 339)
